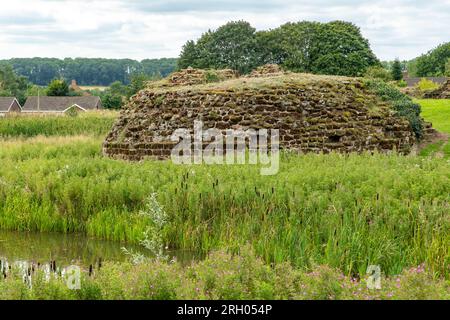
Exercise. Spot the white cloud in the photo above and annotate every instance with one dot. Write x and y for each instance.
(150, 29)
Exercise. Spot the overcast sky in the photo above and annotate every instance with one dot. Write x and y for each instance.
(141, 29)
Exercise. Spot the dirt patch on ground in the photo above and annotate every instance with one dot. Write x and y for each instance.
(433, 138)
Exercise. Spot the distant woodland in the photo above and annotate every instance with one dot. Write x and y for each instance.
(86, 71)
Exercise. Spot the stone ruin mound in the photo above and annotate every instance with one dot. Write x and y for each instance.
(443, 92)
(266, 70)
(313, 114)
(190, 76)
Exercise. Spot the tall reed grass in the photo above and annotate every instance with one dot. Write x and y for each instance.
(222, 276)
(345, 211)
(94, 123)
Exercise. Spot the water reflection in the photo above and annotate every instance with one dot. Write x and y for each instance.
(65, 249)
(56, 255)
(69, 249)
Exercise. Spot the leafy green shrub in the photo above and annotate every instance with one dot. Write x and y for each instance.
(14, 288)
(426, 85)
(211, 76)
(72, 112)
(53, 290)
(377, 72)
(417, 284)
(58, 87)
(89, 290)
(402, 104)
(111, 101)
(396, 70)
(402, 84)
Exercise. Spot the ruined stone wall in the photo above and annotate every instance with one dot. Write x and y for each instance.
(266, 70)
(191, 76)
(443, 92)
(312, 113)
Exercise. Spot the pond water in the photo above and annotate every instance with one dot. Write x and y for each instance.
(69, 249)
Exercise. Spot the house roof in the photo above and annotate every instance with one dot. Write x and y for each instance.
(60, 104)
(6, 103)
(411, 82)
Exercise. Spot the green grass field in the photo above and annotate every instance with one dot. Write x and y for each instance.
(437, 111)
(25, 126)
(346, 211)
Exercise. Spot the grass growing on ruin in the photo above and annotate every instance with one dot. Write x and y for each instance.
(345, 211)
(403, 105)
(26, 125)
(225, 276)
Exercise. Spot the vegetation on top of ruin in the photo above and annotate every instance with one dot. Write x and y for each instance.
(238, 83)
(403, 105)
(271, 76)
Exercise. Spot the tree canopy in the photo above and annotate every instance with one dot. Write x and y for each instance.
(324, 48)
(233, 45)
(433, 62)
(377, 72)
(396, 70)
(11, 84)
(116, 95)
(447, 68)
(88, 71)
(58, 87)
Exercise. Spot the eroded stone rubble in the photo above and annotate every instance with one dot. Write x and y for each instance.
(312, 113)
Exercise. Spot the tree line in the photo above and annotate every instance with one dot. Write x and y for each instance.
(113, 97)
(336, 48)
(434, 63)
(87, 71)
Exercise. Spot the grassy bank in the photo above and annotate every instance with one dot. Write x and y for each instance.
(345, 211)
(223, 276)
(437, 111)
(24, 125)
